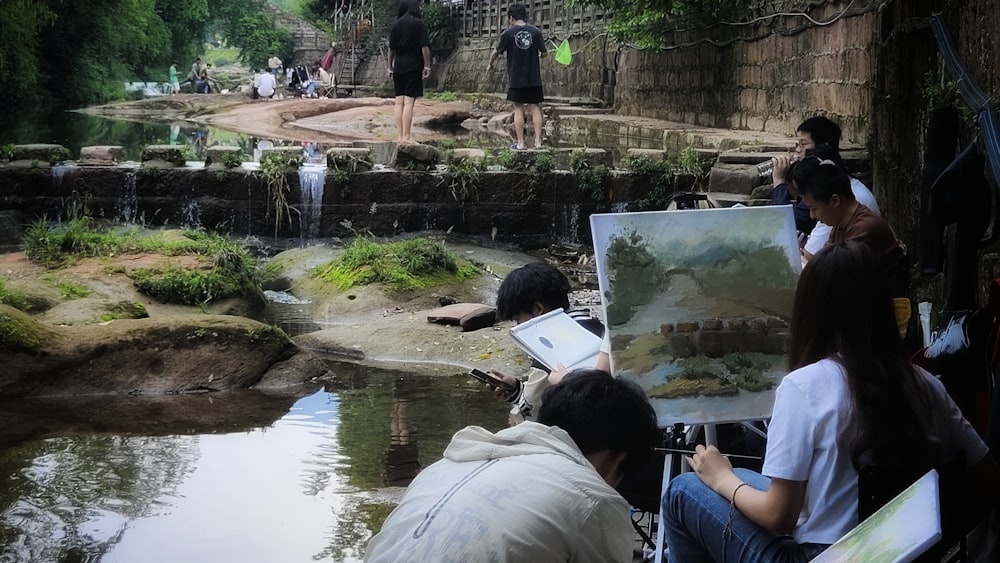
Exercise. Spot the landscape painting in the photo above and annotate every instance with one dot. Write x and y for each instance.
(698, 304)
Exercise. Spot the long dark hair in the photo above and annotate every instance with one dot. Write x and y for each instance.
(843, 311)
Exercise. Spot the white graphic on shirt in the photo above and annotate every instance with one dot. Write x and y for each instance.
(522, 39)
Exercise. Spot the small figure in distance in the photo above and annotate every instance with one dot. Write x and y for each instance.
(409, 64)
(525, 293)
(537, 491)
(524, 45)
(175, 85)
(266, 84)
(852, 398)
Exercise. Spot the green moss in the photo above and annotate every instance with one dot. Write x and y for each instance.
(125, 310)
(17, 331)
(409, 264)
(15, 298)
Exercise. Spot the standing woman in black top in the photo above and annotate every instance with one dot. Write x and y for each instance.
(409, 63)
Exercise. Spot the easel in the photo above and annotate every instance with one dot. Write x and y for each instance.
(676, 447)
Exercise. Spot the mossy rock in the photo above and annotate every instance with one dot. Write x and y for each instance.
(170, 154)
(18, 331)
(349, 160)
(416, 157)
(41, 153)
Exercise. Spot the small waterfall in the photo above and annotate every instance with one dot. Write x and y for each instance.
(572, 224)
(127, 207)
(312, 178)
(58, 172)
(190, 214)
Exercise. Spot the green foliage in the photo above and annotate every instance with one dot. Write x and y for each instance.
(21, 26)
(505, 158)
(464, 178)
(446, 96)
(7, 151)
(70, 290)
(659, 177)
(54, 244)
(647, 24)
(275, 167)
(248, 26)
(939, 93)
(545, 161)
(690, 162)
(409, 264)
(440, 29)
(592, 182)
(234, 272)
(232, 159)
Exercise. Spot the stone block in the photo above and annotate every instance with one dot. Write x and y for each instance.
(733, 178)
(471, 155)
(383, 152)
(349, 159)
(163, 156)
(416, 157)
(107, 155)
(294, 155)
(215, 156)
(654, 155)
(42, 154)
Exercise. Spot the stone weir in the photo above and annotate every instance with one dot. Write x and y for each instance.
(530, 198)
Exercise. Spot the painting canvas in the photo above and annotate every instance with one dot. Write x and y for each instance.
(900, 531)
(697, 304)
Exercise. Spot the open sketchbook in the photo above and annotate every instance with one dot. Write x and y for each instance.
(900, 531)
(555, 338)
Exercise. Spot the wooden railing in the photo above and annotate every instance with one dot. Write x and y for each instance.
(488, 18)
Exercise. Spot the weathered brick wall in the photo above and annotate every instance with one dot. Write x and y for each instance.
(770, 84)
(464, 69)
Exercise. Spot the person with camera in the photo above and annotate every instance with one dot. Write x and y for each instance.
(592, 430)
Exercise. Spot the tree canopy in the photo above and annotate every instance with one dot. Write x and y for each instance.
(82, 51)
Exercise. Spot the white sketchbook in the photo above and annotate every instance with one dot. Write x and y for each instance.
(898, 532)
(555, 338)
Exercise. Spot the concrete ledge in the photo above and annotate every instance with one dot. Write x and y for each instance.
(105, 155)
(215, 157)
(459, 156)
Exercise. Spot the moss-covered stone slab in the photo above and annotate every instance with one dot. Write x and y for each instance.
(102, 155)
(163, 156)
(459, 156)
(416, 157)
(583, 157)
(39, 154)
(218, 155)
(349, 159)
(292, 155)
(654, 155)
(383, 152)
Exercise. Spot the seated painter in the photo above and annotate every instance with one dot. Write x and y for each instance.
(851, 398)
(528, 292)
(592, 430)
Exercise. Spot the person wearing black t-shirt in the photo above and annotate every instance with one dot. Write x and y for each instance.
(524, 46)
(409, 63)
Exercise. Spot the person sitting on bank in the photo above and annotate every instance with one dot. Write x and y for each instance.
(266, 84)
(201, 84)
(852, 398)
(525, 293)
(592, 430)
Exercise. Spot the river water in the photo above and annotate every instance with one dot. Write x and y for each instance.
(245, 476)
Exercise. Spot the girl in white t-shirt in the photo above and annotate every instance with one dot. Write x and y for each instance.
(852, 398)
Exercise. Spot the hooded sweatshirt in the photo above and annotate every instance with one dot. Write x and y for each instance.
(524, 494)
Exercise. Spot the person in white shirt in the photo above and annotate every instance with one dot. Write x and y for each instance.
(851, 399)
(537, 491)
(266, 86)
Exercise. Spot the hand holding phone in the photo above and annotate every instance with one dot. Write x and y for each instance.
(492, 381)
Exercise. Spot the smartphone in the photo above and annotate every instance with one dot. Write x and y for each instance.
(492, 380)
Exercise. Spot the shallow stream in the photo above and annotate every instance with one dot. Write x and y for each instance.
(245, 476)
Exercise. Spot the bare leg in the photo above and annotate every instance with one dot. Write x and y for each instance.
(407, 118)
(519, 124)
(398, 115)
(536, 120)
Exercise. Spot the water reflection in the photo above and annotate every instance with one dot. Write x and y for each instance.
(89, 483)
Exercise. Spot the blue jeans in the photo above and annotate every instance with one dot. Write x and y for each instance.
(311, 87)
(696, 519)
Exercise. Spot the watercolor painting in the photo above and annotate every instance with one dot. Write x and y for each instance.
(697, 304)
(904, 528)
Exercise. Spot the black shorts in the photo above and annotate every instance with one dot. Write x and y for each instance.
(409, 83)
(529, 95)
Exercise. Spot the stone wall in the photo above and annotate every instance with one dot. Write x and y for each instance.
(715, 79)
